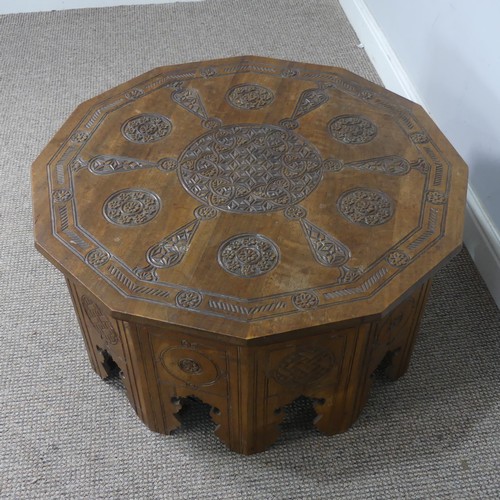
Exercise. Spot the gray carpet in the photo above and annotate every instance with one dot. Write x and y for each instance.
(66, 434)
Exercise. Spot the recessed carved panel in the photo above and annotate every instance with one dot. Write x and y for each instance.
(249, 96)
(131, 207)
(248, 255)
(250, 168)
(146, 128)
(304, 367)
(352, 129)
(367, 207)
(99, 320)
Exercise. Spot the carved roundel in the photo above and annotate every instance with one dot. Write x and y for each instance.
(249, 96)
(131, 207)
(352, 129)
(248, 255)
(304, 366)
(189, 366)
(367, 207)
(250, 168)
(146, 128)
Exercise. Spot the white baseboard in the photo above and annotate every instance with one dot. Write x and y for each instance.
(7, 7)
(481, 237)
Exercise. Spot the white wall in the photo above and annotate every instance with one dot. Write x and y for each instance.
(445, 54)
(450, 50)
(15, 6)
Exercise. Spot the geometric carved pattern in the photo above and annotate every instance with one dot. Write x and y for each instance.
(250, 168)
(304, 366)
(146, 128)
(248, 96)
(99, 321)
(367, 207)
(131, 207)
(248, 255)
(352, 129)
(106, 164)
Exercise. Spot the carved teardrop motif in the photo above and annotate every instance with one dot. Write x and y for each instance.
(326, 249)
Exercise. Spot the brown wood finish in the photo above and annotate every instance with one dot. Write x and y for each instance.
(248, 231)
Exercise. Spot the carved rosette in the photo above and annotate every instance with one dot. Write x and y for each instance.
(367, 207)
(305, 301)
(97, 257)
(248, 255)
(134, 94)
(436, 197)
(167, 164)
(189, 365)
(61, 195)
(188, 299)
(250, 168)
(131, 207)
(205, 213)
(398, 258)
(419, 137)
(146, 128)
(249, 96)
(80, 136)
(304, 367)
(333, 165)
(295, 212)
(352, 129)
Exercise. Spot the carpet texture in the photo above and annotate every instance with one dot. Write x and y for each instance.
(66, 434)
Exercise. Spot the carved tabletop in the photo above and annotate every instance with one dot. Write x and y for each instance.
(246, 198)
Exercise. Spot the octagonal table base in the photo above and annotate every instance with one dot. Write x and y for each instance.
(247, 384)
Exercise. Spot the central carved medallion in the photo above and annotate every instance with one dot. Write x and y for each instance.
(250, 168)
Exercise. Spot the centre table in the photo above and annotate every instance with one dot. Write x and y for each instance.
(248, 231)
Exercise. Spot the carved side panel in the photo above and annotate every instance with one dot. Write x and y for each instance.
(394, 336)
(178, 365)
(107, 342)
(328, 368)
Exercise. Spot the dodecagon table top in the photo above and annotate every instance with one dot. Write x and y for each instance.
(249, 196)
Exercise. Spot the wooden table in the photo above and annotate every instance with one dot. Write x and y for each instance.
(247, 231)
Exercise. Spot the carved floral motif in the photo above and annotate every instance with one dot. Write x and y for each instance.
(249, 96)
(367, 207)
(131, 207)
(397, 258)
(352, 129)
(248, 255)
(305, 300)
(188, 299)
(146, 128)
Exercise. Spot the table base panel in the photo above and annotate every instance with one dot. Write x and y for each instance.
(248, 386)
